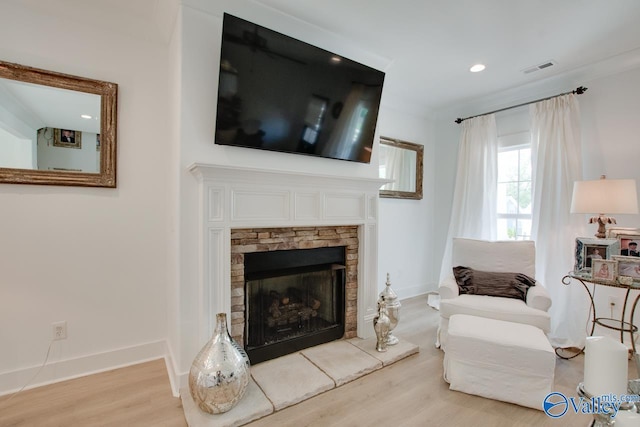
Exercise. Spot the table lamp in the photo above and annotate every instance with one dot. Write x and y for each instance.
(600, 196)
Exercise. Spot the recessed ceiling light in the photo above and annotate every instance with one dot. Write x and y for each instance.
(477, 68)
(336, 59)
(85, 116)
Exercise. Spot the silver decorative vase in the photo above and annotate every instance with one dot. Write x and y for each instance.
(393, 309)
(381, 324)
(219, 374)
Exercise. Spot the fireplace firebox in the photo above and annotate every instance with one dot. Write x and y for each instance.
(295, 299)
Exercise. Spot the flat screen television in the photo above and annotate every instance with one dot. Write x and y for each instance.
(281, 94)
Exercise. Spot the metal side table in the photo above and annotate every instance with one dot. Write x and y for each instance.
(616, 324)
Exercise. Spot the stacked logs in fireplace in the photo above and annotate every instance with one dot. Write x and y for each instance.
(291, 310)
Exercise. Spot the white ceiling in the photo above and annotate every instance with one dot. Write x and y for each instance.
(426, 46)
(431, 44)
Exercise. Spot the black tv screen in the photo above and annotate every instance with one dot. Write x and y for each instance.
(281, 94)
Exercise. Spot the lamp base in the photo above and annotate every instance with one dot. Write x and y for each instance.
(602, 220)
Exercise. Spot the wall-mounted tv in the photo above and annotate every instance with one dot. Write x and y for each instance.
(281, 94)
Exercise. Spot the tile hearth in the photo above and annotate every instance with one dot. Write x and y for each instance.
(285, 381)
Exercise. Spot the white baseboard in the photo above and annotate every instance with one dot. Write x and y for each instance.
(176, 379)
(411, 292)
(53, 372)
(183, 381)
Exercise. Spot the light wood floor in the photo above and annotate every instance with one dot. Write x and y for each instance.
(408, 393)
(138, 395)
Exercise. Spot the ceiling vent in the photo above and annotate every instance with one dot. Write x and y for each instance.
(539, 67)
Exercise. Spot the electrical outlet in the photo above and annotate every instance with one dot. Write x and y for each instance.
(59, 330)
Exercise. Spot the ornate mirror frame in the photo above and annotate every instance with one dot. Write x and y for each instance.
(419, 149)
(108, 93)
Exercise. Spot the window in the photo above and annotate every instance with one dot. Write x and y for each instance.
(514, 193)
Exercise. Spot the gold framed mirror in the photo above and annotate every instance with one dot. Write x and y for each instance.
(56, 129)
(401, 161)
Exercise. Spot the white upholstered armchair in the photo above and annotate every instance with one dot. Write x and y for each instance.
(498, 257)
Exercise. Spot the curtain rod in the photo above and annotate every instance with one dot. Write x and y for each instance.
(579, 91)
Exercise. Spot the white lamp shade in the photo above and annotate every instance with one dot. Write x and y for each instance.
(600, 196)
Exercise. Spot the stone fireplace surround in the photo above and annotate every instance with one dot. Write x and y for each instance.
(234, 199)
(249, 240)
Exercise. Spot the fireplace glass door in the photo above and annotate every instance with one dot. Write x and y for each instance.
(292, 308)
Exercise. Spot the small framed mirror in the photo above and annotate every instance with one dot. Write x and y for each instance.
(56, 129)
(401, 161)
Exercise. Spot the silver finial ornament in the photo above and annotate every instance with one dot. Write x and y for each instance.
(381, 325)
(393, 310)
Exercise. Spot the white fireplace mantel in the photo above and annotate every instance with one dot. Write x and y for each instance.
(236, 197)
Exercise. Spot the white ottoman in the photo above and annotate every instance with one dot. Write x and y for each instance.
(500, 360)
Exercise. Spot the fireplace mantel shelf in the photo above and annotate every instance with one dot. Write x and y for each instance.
(270, 176)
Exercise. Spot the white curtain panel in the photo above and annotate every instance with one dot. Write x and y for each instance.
(557, 163)
(473, 213)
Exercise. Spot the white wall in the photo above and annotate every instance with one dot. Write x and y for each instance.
(95, 257)
(16, 152)
(405, 247)
(611, 129)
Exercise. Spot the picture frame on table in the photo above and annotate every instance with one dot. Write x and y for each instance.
(613, 232)
(588, 249)
(628, 266)
(629, 244)
(604, 270)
